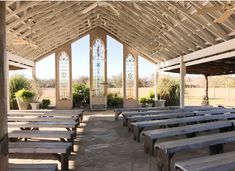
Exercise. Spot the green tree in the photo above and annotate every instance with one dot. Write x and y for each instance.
(169, 90)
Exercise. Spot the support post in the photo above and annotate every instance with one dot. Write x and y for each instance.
(206, 98)
(182, 83)
(34, 75)
(156, 75)
(3, 90)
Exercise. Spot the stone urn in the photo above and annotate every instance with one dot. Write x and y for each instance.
(35, 105)
(22, 105)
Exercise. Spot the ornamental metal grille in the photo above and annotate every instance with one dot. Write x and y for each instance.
(130, 77)
(98, 68)
(64, 76)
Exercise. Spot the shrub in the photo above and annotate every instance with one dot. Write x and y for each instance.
(81, 94)
(114, 101)
(148, 101)
(169, 90)
(24, 95)
(45, 103)
(36, 88)
(17, 83)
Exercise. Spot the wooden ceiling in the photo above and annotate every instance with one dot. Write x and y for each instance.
(158, 30)
(212, 68)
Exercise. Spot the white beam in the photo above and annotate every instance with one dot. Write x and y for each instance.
(19, 61)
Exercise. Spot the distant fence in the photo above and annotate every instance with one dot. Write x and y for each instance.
(193, 96)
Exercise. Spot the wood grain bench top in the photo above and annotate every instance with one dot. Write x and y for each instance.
(151, 136)
(71, 124)
(219, 162)
(40, 134)
(39, 147)
(182, 120)
(197, 142)
(39, 119)
(166, 132)
(196, 111)
(159, 116)
(33, 167)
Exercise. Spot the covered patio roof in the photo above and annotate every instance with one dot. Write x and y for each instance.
(159, 31)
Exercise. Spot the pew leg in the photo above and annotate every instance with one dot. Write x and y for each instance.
(163, 160)
(136, 133)
(125, 121)
(216, 149)
(64, 160)
(225, 129)
(190, 135)
(116, 115)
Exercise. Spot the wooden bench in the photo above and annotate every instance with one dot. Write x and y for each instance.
(219, 162)
(166, 150)
(40, 119)
(200, 111)
(65, 136)
(157, 117)
(41, 150)
(138, 127)
(52, 113)
(70, 126)
(33, 167)
(121, 110)
(150, 137)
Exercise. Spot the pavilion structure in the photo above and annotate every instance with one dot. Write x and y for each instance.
(175, 36)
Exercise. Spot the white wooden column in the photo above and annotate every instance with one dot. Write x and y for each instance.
(182, 82)
(156, 75)
(3, 90)
(34, 74)
(137, 77)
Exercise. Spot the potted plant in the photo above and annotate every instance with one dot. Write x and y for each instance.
(143, 101)
(36, 88)
(45, 103)
(23, 98)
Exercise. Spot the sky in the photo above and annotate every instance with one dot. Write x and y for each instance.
(45, 69)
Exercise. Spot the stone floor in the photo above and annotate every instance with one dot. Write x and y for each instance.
(105, 145)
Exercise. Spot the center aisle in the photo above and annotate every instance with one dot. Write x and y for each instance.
(104, 145)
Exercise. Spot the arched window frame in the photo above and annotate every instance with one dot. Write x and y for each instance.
(64, 76)
(98, 67)
(130, 76)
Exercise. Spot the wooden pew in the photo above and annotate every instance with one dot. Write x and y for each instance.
(40, 119)
(53, 113)
(70, 126)
(65, 136)
(126, 116)
(219, 162)
(150, 137)
(41, 150)
(157, 117)
(140, 109)
(138, 127)
(144, 109)
(33, 167)
(176, 114)
(166, 150)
